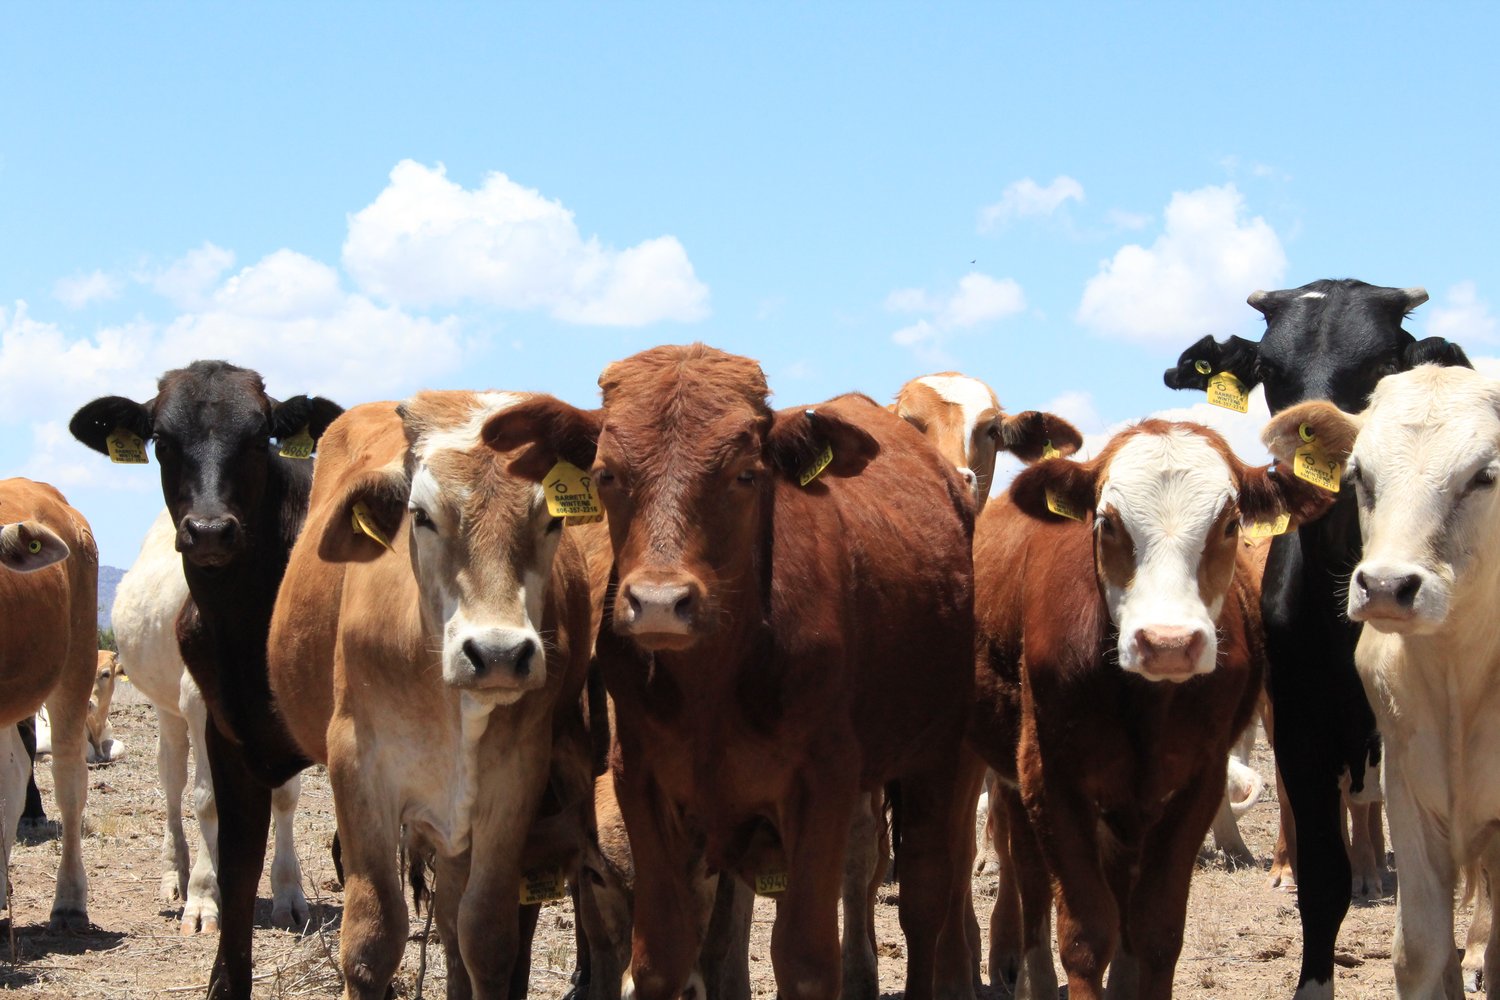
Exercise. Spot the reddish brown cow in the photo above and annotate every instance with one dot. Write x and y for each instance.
(791, 628)
(1119, 657)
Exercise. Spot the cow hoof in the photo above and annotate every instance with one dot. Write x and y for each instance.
(31, 826)
(1473, 980)
(987, 866)
(1366, 886)
(1282, 879)
(199, 919)
(171, 888)
(68, 920)
(290, 913)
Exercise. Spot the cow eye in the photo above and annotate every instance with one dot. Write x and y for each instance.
(420, 518)
(604, 477)
(747, 477)
(994, 432)
(554, 525)
(1483, 479)
(1232, 528)
(1106, 525)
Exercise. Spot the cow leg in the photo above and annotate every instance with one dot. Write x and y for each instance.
(1157, 909)
(15, 769)
(665, 934)
(200, 909)
(1365, 879)
(67, 708)
(1480, 943)
(972, 780)
(171, 776)
(374, 931)
(520, 972)
(1284, 858)
(1088, 918)
(288, 903)
(1426, 961)
(988, 862)
(1030, 883)
(861, 975)
(725, 956)
(244, 820)
(805, 948)
(937, 838)
(1322, 864)
(33, 816)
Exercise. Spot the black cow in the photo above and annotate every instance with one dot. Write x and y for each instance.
(238, 505)
(1328, 340)
(33, 816)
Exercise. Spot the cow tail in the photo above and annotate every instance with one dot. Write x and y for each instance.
(891, 818)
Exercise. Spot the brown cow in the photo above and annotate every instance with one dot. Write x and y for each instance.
(791, 628)
(1119, 657)
(49, 590)
(451, 610)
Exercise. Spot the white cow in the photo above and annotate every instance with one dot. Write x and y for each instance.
(1424, 466)
(145, 621)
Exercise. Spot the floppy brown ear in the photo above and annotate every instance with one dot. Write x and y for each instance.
(549, 431)
(1028, 435)
(799, 436)
(1331, 427)
(1071, 483)
(381, 496)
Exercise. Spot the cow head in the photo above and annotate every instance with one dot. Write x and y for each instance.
(1425, 458)
(684, 455)
(27, 546)
(481, 541)
(961, 417)
(211, 425)
(1166, 501)
(1328, 340)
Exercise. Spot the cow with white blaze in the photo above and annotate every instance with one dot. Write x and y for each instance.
(1426, 457)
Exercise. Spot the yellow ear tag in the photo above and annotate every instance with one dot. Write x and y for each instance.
(126, 448)
(1311, 464)
(364, 524)
(819, 463)
(1050, 452)
(543, 885)
(570, 494)
(1203, 368)
(1062, 508)
(299, 445)
(1229, 392)
(1267, 529)
(35, 546)
(770, 883)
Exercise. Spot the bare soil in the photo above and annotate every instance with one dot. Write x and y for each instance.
(1242, 937)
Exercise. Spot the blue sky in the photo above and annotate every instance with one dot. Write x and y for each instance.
(366, 201)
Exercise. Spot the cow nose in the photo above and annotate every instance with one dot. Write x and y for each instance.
(1398, 589)
(213, 536)
(510, 654)
(970, 480)
(1170, 651)
(661, 607)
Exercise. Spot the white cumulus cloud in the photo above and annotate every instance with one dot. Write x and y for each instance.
(1026, 197)
(1193, 279)
(979, 299)
(187, 281)
(427, 241)
(84, 289)
(1463, 317)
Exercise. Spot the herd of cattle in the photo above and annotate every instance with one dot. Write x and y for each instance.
(683, 648)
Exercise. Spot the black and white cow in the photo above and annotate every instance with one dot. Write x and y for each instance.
(1331, 340)
(238, 503)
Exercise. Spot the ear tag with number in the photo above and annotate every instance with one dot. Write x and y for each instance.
(1062, 508)
(570, 494)
(364, 524)
(1225, 390)
(299, 445)
(1050, 452)
(770, 883)
(823, 459)
(1311, 464)
(1267, 529)
(126, 448)
(543, 885)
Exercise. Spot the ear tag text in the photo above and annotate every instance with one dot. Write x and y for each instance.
(126, 448)
(543, 885)
(1225, 390)
(819, 463)
(1267, 529)
(1311, 464)
(1062, 508)
(570, 494)
(770, 883)
(364, 524)
(299, 445)
(1050, 452)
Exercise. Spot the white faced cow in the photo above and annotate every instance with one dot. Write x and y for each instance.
(1423, 469)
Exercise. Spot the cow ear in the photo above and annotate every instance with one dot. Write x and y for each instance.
(1055, 482)
(1208, 357)
(314, 413)
(801, 438)
(549, 431)
(1434, 351)
(96, 421)
(1030, 434)
(28, 546)
(1332, 428)
(1268, 491)
(367, 518)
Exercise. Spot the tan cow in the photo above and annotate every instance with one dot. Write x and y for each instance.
(103, 747)
(48, 645)
(451, 611)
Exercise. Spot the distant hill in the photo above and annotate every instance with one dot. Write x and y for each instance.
(109, 579)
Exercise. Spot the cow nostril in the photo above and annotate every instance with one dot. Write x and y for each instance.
(472, 652)
(1360, 582)
(635, 604)
(1406, 590)
(523, 658)
(684, 606)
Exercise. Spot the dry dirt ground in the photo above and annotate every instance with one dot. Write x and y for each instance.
(1242, 937)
